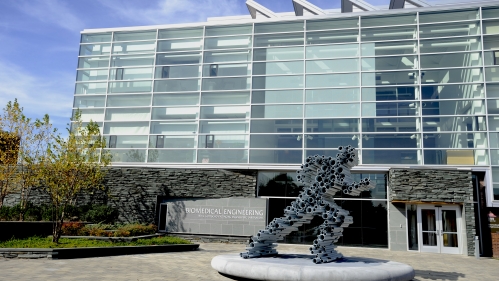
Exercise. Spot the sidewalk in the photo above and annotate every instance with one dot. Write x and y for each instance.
(195, 265)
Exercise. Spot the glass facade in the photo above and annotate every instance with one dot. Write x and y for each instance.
(416, 88)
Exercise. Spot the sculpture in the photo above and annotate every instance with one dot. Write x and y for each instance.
(323, 177)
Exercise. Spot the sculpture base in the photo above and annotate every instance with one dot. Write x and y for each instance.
(301, 267)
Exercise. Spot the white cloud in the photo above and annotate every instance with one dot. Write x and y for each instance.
(53, 12)
(175, 11)
(37, 96)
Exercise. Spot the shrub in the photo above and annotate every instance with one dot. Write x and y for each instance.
(72, 228)
(100, 214)
(135, 230)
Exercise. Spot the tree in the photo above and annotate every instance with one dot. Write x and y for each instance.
(73, 164)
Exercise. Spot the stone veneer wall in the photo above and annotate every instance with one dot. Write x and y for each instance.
(431, 185)
(133, 191)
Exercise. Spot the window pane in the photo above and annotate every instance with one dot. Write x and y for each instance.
(128, 114)
(93, 62)
(130, 73)
(184, 85)
(390, 141)
(217, 84)
(331, 141)
(389, 63)
(95, 49)
(452, 75)
(181, 71)
(460, 123)
(127, 155)
(97, 37)
(451, 60)
(180, 45)
(389, 93)
(450, 45)
(331, 37)
(279, 27)
(278, 82)
(134, 47)
(464, 107)
(126, 141)
(289, 96)
(132, 36)
(271, 54)
(128, 100)
(491, 58)
(278, 184)
(389, 33)
(332, 95)
(460, 140)
(493, 106)
(91, 101)
(171, 156)
(91, 75)
(448, 16)
(223, 127)
(180, 33)
(88, 115)
(160, 141)
(456, 157)
(225, 98)
(332, 51)
(332, 24)
(332, 66)
(277, 126)
(220, 70)
(221, 156)
(390, 157)
(389, 48)
(390, 124)
(173, 128)
(332, 110)
(162, 113)
(129, 87)
(493, 90)
(276, 68)
(492, 74)
(494, 143)
(223, 141)
(277, 111)
(389, 109)
(449, 29)
(466, 91)
(228, 30)
(90, 88)
(276, 141)
(227, 56)
(176, 99)
(224, 112)
(276, 40)
(227, 42)
(388, 20)
(389, 78)
(126, 128)
(332, 125)
(178, 58)
(332, 80)
(276, 156)
(137, 60)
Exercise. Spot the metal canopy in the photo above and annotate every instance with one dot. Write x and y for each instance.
(254, 7)
(399, 4)
(347, 6)
(300, 5)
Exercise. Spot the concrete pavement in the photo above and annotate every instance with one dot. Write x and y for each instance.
(196, 265)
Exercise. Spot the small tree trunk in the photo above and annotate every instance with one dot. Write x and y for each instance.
(2, 197)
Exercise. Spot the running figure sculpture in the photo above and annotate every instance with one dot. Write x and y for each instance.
(322, 177)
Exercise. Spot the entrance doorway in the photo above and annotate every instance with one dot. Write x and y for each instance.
(439, 229)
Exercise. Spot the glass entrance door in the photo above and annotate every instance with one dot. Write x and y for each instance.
(439, 229)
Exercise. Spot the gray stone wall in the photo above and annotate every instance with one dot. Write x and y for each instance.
(133, 191)
(431, 185)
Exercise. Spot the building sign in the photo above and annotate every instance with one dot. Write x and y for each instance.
(227, 216)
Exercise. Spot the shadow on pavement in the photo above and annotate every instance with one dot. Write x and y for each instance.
(437, 275)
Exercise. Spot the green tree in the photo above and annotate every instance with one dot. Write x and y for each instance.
(73, 165)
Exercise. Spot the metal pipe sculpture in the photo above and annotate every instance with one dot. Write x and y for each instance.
(323, 177)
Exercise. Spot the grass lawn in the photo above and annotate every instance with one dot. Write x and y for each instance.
(46, 242)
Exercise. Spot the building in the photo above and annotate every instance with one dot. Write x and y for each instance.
(412, 86)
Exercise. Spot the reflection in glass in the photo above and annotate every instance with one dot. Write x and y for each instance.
(88, 115)
(127, 155)
(332, 24)
(389, 93)
(429, 227)
(491, 27)
(126, 128)
(278, 40)
(160, 141)
(388, 20)
(171, 156)
(180, 33)
(330, 140)
(220, 70)
(91, 75)
(135, 60)
(448, 16)
(412, 227)
(176, 99)
(178, 58)
(332, 80)
(227, 56)
(278, 82)
(273, 54)
(173, 127)
(459, 140)
(221, 156)
(129, 100)
(388, 48)
(114, 141)
(449, 29)
(332, 95)
(332, 110)
(277, 126)
(286, 96)
(390, 124)
(339, 125)
(492, 74)
(130, 73)
(88, 102)
(332, 66)
(451, 75)
(217, 84)
(277, 111)
(331, 37)
(389, 63)
(276, 68)
(223, 141)
(279, 184)
(276, 156)
(279, 27)
(332, 51)
(134, 47)
(97, 37)
(389, 78)
(223, 127)
(95, 49)
(130, 87)
(456, 157)
(493, 106)
(225, 98)
(183, 85)
(228, 30)
(90, 88)
(458, 123)
(389, 33)
(450, 45)
(453, 91)
(128, 114)
(181, 71)
(390, 141)
(451, 60)
(93, 62)
(390, 157)
(165, 113)
(227, 42)
(224, 112)
(179, 45)
(135, 35)
(462, 107)
(390, 109)
(276, 141)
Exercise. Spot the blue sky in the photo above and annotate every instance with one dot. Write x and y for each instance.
(39, 40)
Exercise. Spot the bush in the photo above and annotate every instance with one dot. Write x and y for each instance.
(135, 230)
(100, 214)
(71, 228)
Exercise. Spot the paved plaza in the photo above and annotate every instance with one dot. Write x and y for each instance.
(196, 265)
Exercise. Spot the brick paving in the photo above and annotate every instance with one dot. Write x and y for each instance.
(196, 265)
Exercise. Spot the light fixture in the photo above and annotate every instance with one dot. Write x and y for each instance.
(354, 137)
(299, 138)
(413, 136)
(310, 137)
(365, 137)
